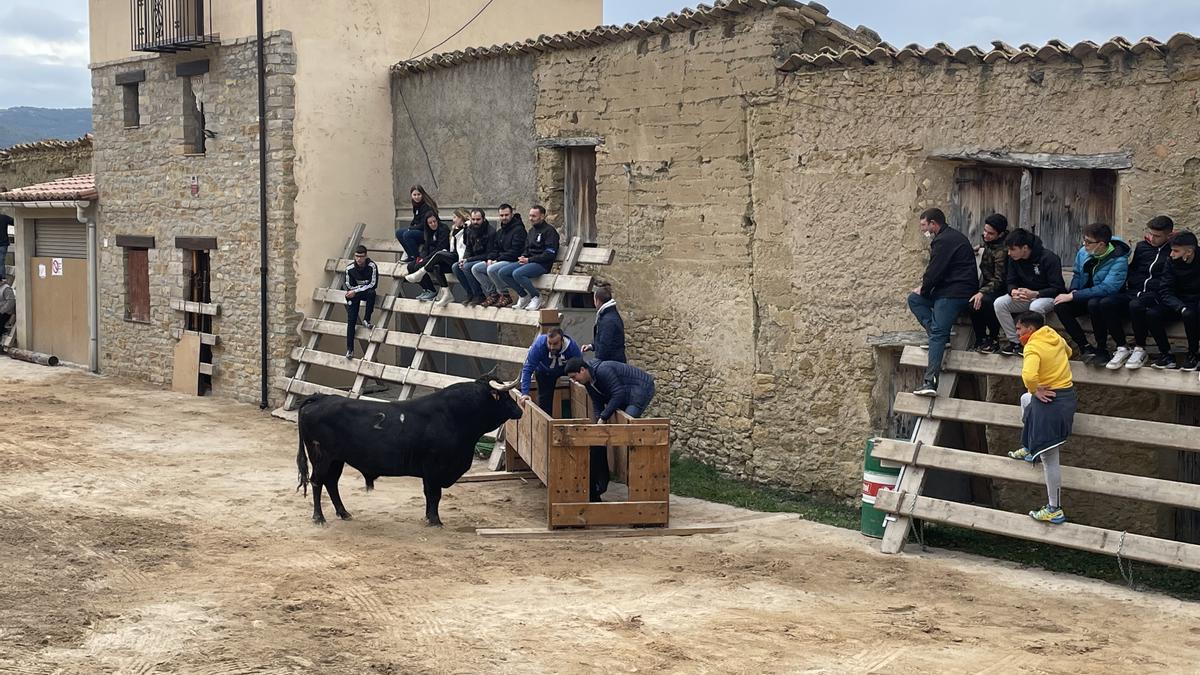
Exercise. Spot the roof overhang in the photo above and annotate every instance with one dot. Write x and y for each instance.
(50, 204)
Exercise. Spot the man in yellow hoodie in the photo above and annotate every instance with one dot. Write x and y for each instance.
(1047, 408)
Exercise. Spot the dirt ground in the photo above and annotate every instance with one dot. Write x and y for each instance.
(145, 532)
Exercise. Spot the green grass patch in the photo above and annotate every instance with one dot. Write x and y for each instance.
(691, 478)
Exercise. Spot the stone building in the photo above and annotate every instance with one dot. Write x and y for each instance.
(759, 168)
(176, 160)
(31, 163)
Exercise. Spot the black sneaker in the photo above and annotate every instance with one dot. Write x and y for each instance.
(1087, 354)
(1191, 363)
(990, 346)
(1011, 349)
(1100, 358)
(927, 388)
(1166, 362)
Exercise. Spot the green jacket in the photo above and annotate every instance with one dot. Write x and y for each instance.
(992, 264)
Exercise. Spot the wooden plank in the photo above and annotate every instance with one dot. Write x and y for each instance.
(1142, 432)
(611, 434)
(1039, 160)
(570, 142)
(912, 478)
(418, 358)
(338, 328)
(379, 371)
(1151, 379)
(648, 473)
(607, 533)
(589, 514)
(186, 376)
(207, 368)
(454, 310)
(206, 308)
(568, 479)
(205, 338)
(489, 476)
(525, 446)
(444, 345)
(301, 388)
(1075, 478)
(568, 266)
(324, 311)
(1081, 537)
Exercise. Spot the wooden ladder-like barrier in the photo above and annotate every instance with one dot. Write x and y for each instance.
(423, 318)
(906, 502)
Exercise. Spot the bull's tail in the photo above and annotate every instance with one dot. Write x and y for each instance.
(301, 453)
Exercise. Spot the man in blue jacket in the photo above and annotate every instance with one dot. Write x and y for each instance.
(547, 361)
(608, 337)
(612, 386)
(1101, 266)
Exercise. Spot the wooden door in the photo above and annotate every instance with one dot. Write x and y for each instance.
(1064, 200)
(58, 312)
(980, 191)
(579, 195)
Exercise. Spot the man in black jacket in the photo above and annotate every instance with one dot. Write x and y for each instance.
(508, 243)
(608, 336)
(478, 242)
(541, 247)
(1178, 299)
(1034, 279)
(949, 282)
(612, 386)
(1147, 270)
(362, 278)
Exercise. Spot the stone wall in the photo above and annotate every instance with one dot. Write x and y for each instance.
(144, 177)
(474, 126)
(32, 163)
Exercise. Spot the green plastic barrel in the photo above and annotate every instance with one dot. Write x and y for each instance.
(875, 478)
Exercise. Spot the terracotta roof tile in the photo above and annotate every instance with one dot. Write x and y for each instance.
(684, 20)
(84, 141)
(1053, 51)
(63, 189)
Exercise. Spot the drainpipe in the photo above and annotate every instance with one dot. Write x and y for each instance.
(85, 212)
(262, 204)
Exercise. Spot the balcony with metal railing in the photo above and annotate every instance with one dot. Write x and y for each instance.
(170, 25)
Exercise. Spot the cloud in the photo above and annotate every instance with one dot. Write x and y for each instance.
(44, 55)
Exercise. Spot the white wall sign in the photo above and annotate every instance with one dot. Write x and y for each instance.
(56, 267)
(41, 271)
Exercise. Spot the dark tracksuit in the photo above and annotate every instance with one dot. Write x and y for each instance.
(363, 280)
(1147, 268)
(992, 275)
(608, 337)
(436, 257)
(614, 386)
(547, 367)
(1178, 299)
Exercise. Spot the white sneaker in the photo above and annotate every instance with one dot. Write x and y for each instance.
(443, 297)
(534, 303)
(367, 324)
(1137, 359)
(1119, 358)
(415, 277)
(521, 302)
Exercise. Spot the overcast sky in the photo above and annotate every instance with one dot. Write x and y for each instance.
(43, 43)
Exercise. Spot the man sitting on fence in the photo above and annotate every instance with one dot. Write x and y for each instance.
(1047, 408)
(612, 386)
(508, 243)
(547, 361)
(1147, 270)
(608, 336)
(1034, 280)
(1178, 299)
(362, 278)
(477, 242)
(1101, 266)
(541, 248)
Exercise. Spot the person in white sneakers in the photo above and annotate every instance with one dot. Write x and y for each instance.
(431, 267)
(1147, 268)
(541, 247)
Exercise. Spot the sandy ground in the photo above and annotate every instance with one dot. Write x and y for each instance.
(148, 532)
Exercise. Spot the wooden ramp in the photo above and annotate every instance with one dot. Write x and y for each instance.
(422, 320)
(923, 453)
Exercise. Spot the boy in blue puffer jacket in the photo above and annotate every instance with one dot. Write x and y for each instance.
(1101, 266)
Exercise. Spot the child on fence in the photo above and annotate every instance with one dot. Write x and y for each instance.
(1047, 408)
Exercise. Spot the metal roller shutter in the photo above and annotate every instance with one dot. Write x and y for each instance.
(59, 239)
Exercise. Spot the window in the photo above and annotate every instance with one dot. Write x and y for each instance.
(193, 120)
(137, 285)
(132, 115)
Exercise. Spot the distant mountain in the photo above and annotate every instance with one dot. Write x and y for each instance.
(25, 125)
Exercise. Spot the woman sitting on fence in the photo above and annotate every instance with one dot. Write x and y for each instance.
(433, 263)
(1047, 408)
(410, 236)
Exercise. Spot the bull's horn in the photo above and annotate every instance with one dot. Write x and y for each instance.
(505, 387)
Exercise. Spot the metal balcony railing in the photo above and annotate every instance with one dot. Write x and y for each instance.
(170, 25)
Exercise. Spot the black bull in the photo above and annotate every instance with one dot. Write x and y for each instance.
(432, 438)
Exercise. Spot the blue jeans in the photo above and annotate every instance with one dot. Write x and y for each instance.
(500, 274)
(410, 241)
(480, 271)
(469, 283)
(520, 277)
(937, 318)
